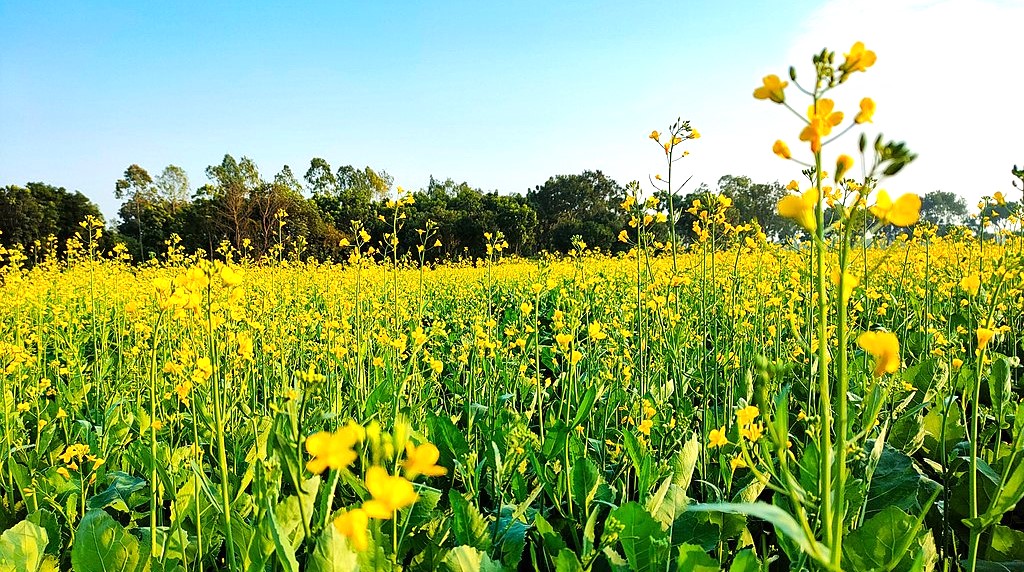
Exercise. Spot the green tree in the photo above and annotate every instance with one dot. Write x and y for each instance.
(943, 209)
(137, 189)
(34, 213)
(586, 205)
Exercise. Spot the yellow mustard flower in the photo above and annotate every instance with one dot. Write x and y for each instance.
(858, 59)
(563, 339)
(984, 336)
(905, 211)
(772, 89)
(843, 164)
(746, 415)
(957, 363)
(752, 432)
(717, 438)
(821, 119)
(655, 135)
(884, 347)
(800, 208)
(971, 284)
(867, 111)
(781, 149)
(390, 493)
(645, 426)
(331, 450)
(737, 463)
(422, 460)
(353, 524)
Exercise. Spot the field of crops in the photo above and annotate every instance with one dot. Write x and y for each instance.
(559, 415)
(851, 401)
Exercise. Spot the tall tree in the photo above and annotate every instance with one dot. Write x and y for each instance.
(136, 188)
(234, 182)
(172, 186)
(38, 211)
(943, 209)
(319, 178)
(585, 205)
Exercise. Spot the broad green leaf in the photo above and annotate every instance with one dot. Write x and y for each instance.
(942, 430)
(1011, 492)
(101, 544)
(23, 547)
(288, 514)
(567, 562)
(881, 541)
(745, 561)
(784, 523)
(684, 462)
(509, 537)
(1007, 544)
(468, 526)
(469, 559)
(116, 496)
(694, 559)
(897, 482)
(999, 387)
(585, 479)
(331, 553)
(644, 542)
(667, 503)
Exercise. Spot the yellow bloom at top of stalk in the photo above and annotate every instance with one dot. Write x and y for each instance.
(905, 211)
(230, 276)
(821, 119)
(867, 111)
(884, 347)
(800, 208)
(655, 135)
(849, 283)
(422, 460)
(772, 89)
(390, 493)
(858, 59)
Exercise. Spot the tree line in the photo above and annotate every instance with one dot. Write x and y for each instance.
(314, 215)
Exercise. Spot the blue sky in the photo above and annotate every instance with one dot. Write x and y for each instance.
(501, 95)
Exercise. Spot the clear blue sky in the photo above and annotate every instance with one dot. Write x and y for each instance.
(499, 94)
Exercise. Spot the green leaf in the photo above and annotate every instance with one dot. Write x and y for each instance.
(745, 561)
(509, 537)
(693, 558)
(1007, 544)
(1010, 493)
(469, 559)
(116, 496)
(585, 479)
(288, 514)
(23, 548)
(331, 553)
(880, 542)
(999, 387)
(586, 405)
(684, 463)
(942, 434)
(644, 542)
(783, 522)
(468, 525)
(667, 503)
(897, 482)
(101, 544)
(567, 562)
